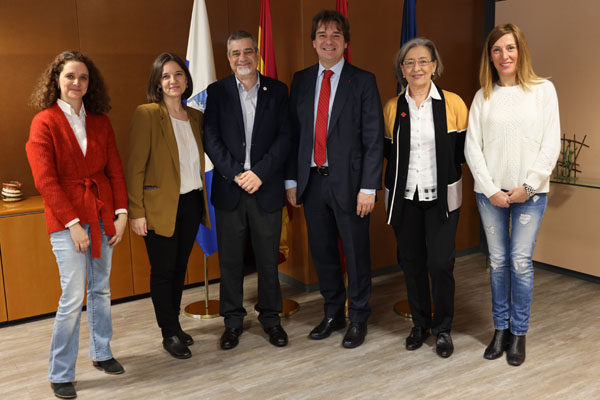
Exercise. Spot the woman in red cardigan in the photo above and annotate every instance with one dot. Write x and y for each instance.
(77, 170)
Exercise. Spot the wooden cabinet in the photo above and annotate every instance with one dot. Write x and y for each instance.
(31, 281)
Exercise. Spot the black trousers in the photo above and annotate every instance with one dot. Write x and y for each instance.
(426, 247)
(325, 220)
(168, 261)
(232, 231)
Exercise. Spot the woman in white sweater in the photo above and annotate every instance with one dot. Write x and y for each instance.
(512, 144)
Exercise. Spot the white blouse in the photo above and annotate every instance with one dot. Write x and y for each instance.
(189, 156)
(422, 166)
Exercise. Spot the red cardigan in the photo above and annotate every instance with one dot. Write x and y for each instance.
(89, 187)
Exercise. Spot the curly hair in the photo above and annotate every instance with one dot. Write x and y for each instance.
(47, 91)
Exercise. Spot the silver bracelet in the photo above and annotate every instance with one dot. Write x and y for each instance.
(529, 189)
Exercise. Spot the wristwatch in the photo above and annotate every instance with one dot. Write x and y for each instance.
(529, 189)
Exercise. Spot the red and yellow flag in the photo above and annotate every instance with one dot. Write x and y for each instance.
(267, 67)
(342, 7)
(266, 64)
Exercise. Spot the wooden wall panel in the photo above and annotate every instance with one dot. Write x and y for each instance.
(123, 38)
(31, 34)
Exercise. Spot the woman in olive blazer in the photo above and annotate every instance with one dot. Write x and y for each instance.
(165, 182)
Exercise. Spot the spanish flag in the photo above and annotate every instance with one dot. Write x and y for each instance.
(267, 67)
(341, 6)
(266, 64)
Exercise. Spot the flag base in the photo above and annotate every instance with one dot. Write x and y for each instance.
(289, 308)
(199, 310)
(402, 308)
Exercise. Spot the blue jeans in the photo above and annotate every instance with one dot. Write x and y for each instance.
(511, 250)
(73, 268)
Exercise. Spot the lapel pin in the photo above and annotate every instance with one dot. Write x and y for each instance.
(403, 114)
(265, 88)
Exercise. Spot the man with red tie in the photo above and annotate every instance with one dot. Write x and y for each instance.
(334, 170)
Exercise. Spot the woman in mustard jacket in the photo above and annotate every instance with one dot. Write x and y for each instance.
(165, 184)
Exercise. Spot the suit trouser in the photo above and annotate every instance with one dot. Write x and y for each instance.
(168, 260)
(325, 220)
(426, 246)
(265, 230)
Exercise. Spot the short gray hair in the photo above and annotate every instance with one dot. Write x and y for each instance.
(238, 35)
(411, 44)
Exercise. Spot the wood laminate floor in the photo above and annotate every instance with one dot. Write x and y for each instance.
(563, 351)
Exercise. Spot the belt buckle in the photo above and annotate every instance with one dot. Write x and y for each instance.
(323, 171)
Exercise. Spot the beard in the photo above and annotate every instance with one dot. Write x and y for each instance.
(244, 70)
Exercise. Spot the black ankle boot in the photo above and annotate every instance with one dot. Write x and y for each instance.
(497, 345)
(515, 353)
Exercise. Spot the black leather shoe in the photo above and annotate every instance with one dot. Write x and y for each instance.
(173, 345)
(64, 390)
(443, 345)
(185, 338)
(416, 338)
(327, 326)
(111, 367)
(355, 336)
(230, 338)
(497, 345)
(277, 336)
(515, 352)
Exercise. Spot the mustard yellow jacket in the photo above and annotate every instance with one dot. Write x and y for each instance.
(152, 173)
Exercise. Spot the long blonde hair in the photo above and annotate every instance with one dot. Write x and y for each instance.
(487, 72)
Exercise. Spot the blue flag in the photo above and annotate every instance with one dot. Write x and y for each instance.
(409, 25)
(409, 21)
(200, 61)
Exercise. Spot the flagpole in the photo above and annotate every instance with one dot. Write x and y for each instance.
(201, 64)
(409, 31)
(203, 309)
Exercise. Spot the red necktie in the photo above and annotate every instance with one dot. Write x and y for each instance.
(322, 119)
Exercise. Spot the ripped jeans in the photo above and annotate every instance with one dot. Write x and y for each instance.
(511, 250)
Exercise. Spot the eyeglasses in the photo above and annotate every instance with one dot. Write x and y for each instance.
(412, 63)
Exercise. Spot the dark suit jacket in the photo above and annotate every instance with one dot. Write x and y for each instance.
(152, 173)
(225, 141)
(354, 137)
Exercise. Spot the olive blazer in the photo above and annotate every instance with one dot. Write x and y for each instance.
(152, 173)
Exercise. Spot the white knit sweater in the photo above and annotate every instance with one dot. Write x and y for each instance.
(513, 138)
